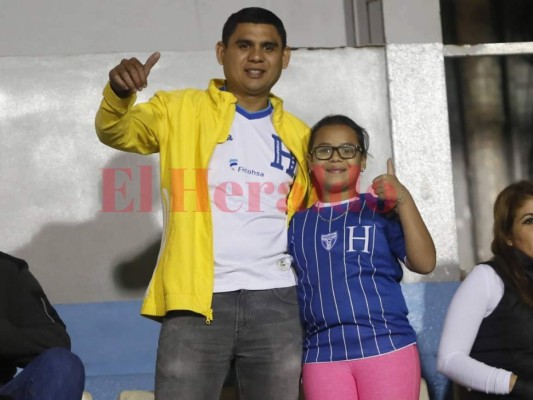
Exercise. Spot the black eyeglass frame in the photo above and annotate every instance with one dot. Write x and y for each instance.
(357, 148)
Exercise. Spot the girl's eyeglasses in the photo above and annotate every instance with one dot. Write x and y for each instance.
(346, 151)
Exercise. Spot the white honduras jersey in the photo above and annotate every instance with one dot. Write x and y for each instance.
(249, 178)
(346, 256)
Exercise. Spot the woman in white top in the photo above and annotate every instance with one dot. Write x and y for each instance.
(487, 340)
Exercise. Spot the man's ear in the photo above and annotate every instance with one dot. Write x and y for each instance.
(286, 57)
(220, 49)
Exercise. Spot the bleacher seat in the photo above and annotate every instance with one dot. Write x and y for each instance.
(118, 346)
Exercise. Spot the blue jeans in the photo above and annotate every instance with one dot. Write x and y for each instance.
(56, 374)
(259, 329)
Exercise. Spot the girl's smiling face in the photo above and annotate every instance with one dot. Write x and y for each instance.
(336, 178)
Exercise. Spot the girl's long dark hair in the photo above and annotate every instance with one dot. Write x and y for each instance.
(507, 263)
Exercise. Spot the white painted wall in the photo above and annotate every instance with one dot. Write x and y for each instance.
(412, 21)
(67, 27)
(54, 60)
(52, 163)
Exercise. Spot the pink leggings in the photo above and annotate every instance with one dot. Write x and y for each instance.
(391, 376)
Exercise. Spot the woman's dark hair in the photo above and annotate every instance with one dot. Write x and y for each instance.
(253, 15)
(507, 263)
(338, 119)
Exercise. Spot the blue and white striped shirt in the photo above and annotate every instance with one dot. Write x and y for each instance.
(346, 257)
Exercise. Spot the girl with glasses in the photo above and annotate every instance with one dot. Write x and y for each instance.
(348, 249)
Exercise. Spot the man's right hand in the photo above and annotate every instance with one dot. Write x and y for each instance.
(131, 75)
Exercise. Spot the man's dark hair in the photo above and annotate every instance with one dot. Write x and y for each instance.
(253, 15)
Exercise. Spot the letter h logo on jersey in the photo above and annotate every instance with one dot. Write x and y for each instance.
(279, 154)
(328, 240)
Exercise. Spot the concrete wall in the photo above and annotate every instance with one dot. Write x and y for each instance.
(68, 27)
(412, 21)
(54, 60)
(53, 166)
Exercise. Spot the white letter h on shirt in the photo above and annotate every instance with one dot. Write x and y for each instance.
(365, 238)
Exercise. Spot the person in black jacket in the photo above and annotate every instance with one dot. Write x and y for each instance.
(33, 338)
(487, 341)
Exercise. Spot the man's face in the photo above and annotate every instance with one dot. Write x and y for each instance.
(252, 61)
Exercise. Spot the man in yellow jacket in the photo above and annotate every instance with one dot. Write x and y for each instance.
(233, 171)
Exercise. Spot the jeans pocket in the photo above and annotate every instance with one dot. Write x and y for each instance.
(286, 295)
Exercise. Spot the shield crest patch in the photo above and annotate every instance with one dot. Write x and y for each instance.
(328, 240)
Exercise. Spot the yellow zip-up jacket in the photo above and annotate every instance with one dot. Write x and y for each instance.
(184, 126)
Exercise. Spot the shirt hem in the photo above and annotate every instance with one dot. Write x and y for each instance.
(362, 358)
(280, 286)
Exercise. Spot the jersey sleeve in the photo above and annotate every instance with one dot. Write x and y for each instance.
(395, 238)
